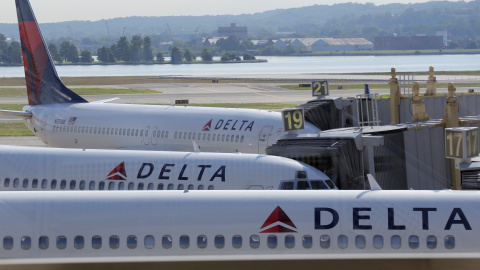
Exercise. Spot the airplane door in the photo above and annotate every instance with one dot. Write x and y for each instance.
(146, 136)
(154, 135)
(263, 140)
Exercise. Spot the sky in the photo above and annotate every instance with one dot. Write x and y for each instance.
(92, 10)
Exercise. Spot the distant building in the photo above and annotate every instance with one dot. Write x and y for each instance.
(327, 44)
(409, 43)
(341, 44)
(240, 32)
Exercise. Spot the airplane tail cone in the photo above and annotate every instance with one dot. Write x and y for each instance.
(43, 84)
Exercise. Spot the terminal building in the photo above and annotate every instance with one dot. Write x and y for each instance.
(409, 43)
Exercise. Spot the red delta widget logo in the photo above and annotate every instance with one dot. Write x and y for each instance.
(118, 173)
(229, 124)
(278, 222)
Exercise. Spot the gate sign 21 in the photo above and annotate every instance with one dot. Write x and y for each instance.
(293, 119)
(320, 88)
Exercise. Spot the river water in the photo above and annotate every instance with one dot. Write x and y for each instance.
(276, 65)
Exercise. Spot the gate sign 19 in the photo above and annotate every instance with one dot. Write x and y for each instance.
(293, 119)
(461, 142)
(320, 88)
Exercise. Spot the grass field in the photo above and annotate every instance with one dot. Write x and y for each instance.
(14, 129)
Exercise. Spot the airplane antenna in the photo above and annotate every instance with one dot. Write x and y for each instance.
(373, 183)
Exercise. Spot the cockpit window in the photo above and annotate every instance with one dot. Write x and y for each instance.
(287, 186)
(318, 184)
(302, 185)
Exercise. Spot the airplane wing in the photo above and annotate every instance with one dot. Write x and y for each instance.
(16, 113)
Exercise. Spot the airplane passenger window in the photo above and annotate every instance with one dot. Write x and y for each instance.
(236, 138)
(325, 241)
(128, 132)
(95, 130)
(431, 241)
(189, 135)
(227, 138)
(449, 241)
(272, 241)
(184, 241)
(342, 241)
(175, 135)
(34, 183)
(191, 187)
(180, 187)
(166, 134)
(132, 241)
(124, 131)
(287, 185)
(63, 184)
(160, 187)
(318, 184)
(78, 242)
(254, 241)
(73, 183)
(211, 187)
(170, 187)
(223, 137)
(360, 241)
(237, 241)
(219, 241)
(111, 185)
(61, 242)
(166, 241)
(16, 182)
(303, 185)
(214, 137)
(91, 130)
(25, 183)
(7, 242)
(114, 242)
(201, 241)
(199, 136)
(208, 137)
(140, 186)
(43, 242)
(44, 183)
(413, 241)
(116, 131)
(108, 131)
(82, 185)
(53, 184)
(121, 186)
(101, 185)
(150, 186)
(6, 182)
(91, 186)
(396, 242)
(26, 242)
(185, 135)
(378, 241)
(204, 136)
(146, 133)
(96, 242)
(131, 186)
(200, 187)
(289, 241)
(180, 135)
(242, 138)
(103, 130)
(163, 133)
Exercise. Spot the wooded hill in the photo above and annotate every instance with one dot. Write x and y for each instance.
(460, 19)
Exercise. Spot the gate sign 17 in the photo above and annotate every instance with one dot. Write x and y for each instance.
(293, 119)
(461, 142)
(320, 88)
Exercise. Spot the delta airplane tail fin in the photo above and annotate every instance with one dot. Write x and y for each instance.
(43, 84)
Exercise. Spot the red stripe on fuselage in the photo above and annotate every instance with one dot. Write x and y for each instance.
(31, 37)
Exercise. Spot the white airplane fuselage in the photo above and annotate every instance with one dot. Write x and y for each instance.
(144, 127)
(45, 168)
(176, 226)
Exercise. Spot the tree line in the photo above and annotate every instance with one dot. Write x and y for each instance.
(10, 54)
